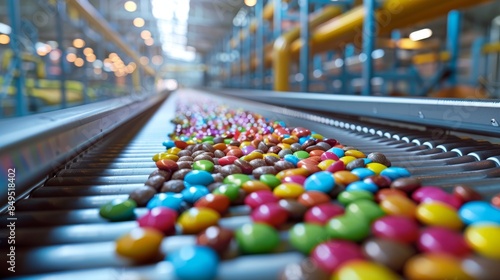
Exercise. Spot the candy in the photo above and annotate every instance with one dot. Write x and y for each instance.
(193, 193)
(431, 266)
(229, 190)
(344, 177)
(331, 255)
(270, 213)
(205, 165)
(362, 172)
(306, 270)
(194, 262)
(304, 237)
(395, 172)
(288, 190)
(167, 164)
(160, 218)
(216, 238)
(196, 220)
(198, 177)
(321, 214)
(384, 193)
(270, 180)
(260, 197)
(313, 198)
(483, 238)
(364, 209)
(254, 185)
(479, 211)
(257, 238)
(481, 268)
(362, 186)
(396, 228)
(364, 270)
(442, 240)
(398, 205)
(169, 200)
(388, 252)
(217, 202)
(321, 181)
(140, 244)
(347, 197)
(118, 210)
(142, 195)
(438, 214)
(295, 209)
(236, 179)
(348, 228)
(298, 179)
(466, 193)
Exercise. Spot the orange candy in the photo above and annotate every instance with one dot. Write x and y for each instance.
(345, 177)
(399, 205)
(254, 185)
(313, 198)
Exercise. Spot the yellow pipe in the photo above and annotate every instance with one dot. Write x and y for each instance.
(281, 47)
(491, 48)
(431, 57)
(95, 19)
(347, 28)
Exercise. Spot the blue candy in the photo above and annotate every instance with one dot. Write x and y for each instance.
(337, 151)
(169, 199)
(194, 262)
(395, 172)
(291, 158)
(169, 144)
(302, 140)
(362, 172)
(322, 181)
(359, 185)
(198, 177)
(478, 212)
(193, 193)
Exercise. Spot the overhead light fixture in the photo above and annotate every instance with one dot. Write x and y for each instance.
(138, 22)
(130, 6)
(420, 34)
(250, 3)
(4, 28)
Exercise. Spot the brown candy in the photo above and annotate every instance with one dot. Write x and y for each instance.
(215, 184)
(179, 174)
(283, 165)
(408, 185)
(216, 238)
(175, 186)
(274, 149)
(203, 157)
(308, 143)
(324, 145)
(314, 147)
(382, 182)
(257, 172)
(270, 160)
(218, 140)
(217, 177)
(185, 164)
(255, 163)
(466, 193)
(263, 147)
(481, 268)
(295, 209)
(208, 147)
(197, 153)
(155, 182)
(296, 147)
(338, 188)
(306, 270)
(246, 168)
(142, 195)
(229, 169)
(219, 154)
(392, 254)
(359, 162)
(165, 173)
(185, 158)
(380, 158)
(240, 199)
(285, 152)
(184, 153)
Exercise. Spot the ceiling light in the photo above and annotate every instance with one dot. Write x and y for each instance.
(138, 22)
(71, 57)
(250, 3)
(78, 43)
(145, 34)
(149, 41)
(130, 6)
(79, 62)
(4, 28)
(420, 34)
(4, 39)
(88, 51)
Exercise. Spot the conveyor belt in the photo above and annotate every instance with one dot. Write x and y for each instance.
(60, 235)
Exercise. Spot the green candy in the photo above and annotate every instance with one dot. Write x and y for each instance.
(304, 237)
(364, 209)
(270, 180)
(257, 238)
(348, 228)
(207, 138)
(229, 190)
(348, 197)
(228, 140)
(118, 210)
(301, 154)
(203, 165)
(236, 179)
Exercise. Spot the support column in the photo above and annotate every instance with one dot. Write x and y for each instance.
(304, 51)
(259, 44)
(453, 44)
(369, 32)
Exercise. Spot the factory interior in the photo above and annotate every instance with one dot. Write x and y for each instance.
(250, 139)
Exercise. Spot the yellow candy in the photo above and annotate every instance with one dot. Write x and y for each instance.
(161, 156)
(288, 190)
(376, 167)
(438, 214)
(245, 143)
(252, 156)
(191, 142)
(364, 270)
(254, 185)
(157, 156)
(294, 171)
(345, 177)
(271, 154)
(140, 244)
(324, 164)
(284, 146)
(317, 136)
(174, 150)
(347, 159)
(196, 220)
(484, 239)
(290, 140)
(434, 266)
(355, 153)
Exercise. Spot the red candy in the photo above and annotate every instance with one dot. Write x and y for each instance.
(217, 202)
(227, 160)
(167, 164)
(321, 214)
(331, 255)
(160, 218)
(329, 155)
(336, 166)
(442, 240)
(258, 198)
(270, 213)
(397, 228)
(313, 198)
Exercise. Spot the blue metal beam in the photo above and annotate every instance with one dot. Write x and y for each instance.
(369, 32)
(453, 44)
(277, 17)
(15, 44)
(304, 51)
(61, 9)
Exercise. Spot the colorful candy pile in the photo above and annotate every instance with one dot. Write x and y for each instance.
(353, 215)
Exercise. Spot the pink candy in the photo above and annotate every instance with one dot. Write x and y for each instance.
(430, 193)
(397, 228)
(258, 198)
(442, 240)
(329, 155)
(160, 218)
(270, 213)
(294, 179)
(321, 214)
(331, 255)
